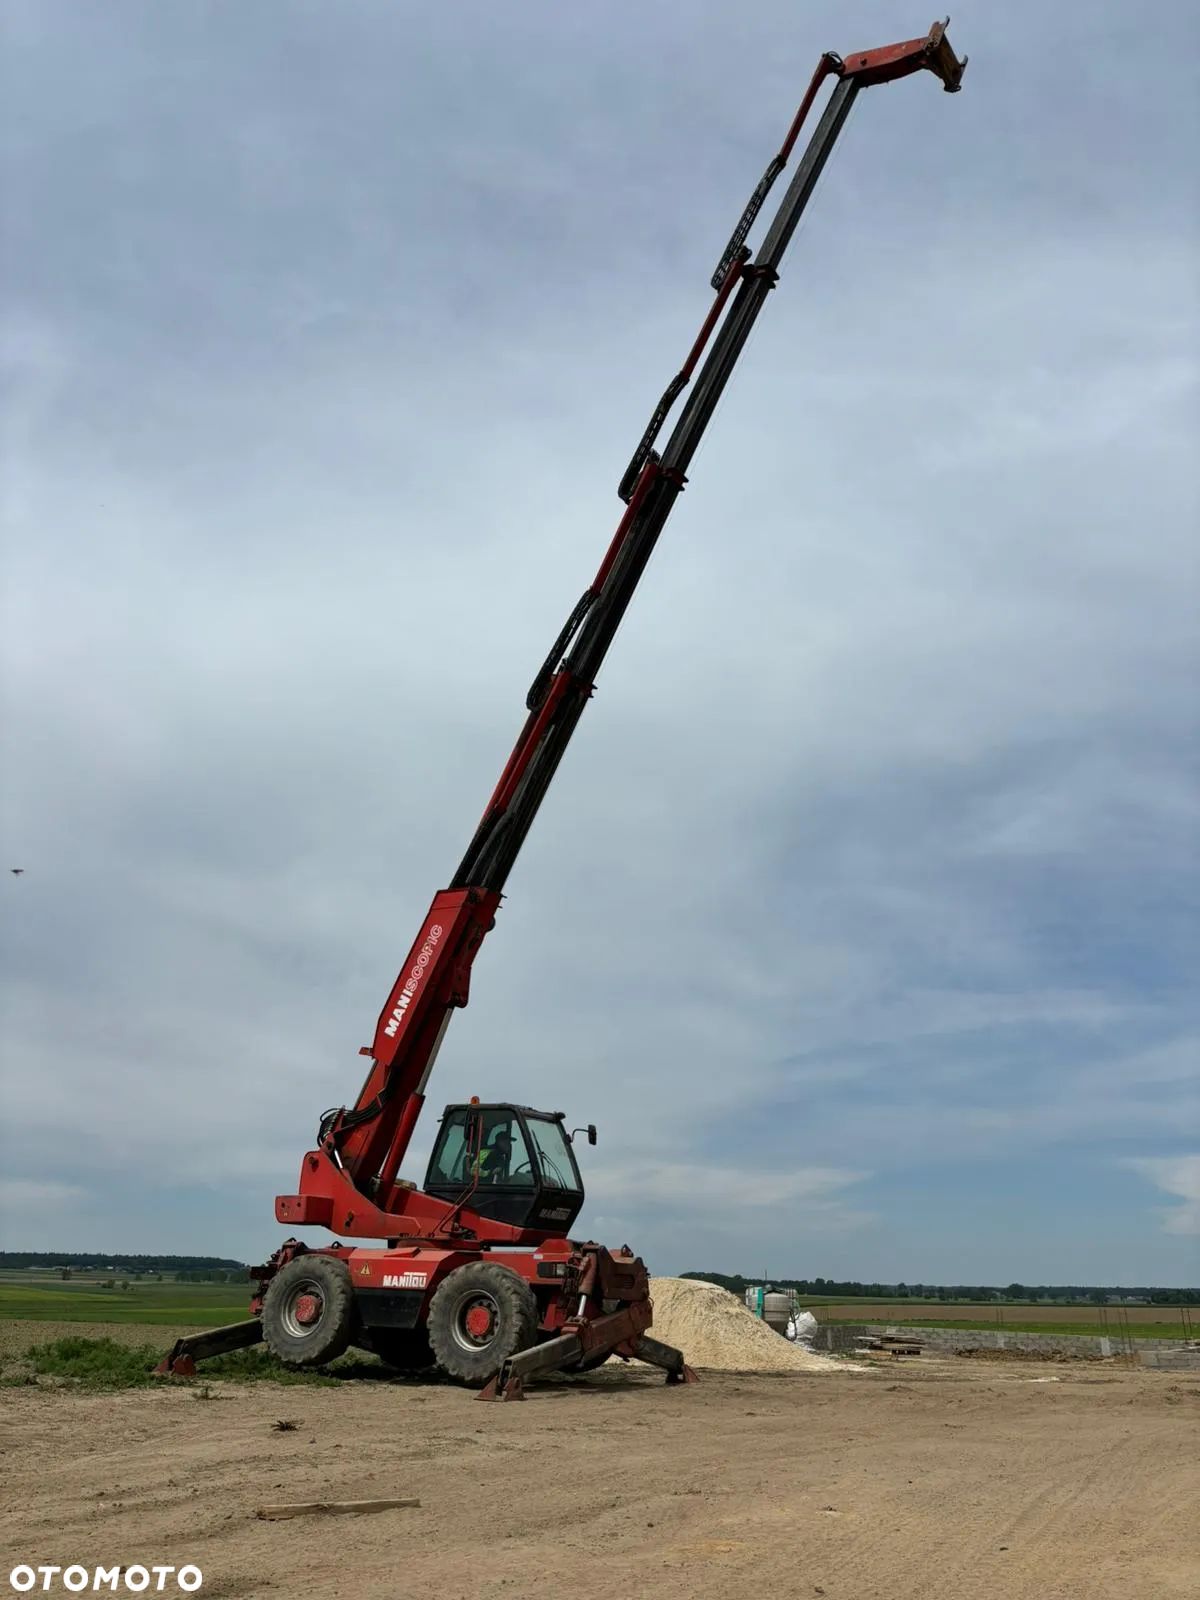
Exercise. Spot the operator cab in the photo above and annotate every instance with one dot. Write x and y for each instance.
(509, 1163)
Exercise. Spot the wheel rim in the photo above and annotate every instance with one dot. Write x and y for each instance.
(476, 1320)
(302, 1311)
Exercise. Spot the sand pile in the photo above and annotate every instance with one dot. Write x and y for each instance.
(715, 1330)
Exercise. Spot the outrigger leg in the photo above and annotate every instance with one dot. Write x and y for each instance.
(180, 1361)
(590, 1339)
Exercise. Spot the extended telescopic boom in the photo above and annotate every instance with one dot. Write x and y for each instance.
(368, 1142)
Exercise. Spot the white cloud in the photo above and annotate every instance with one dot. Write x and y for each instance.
(700, 1187)
(28, 1195)
(1178, 1176)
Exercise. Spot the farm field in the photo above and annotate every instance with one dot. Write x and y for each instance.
(1146, 1322)
(35, 1296)
(184, 1305)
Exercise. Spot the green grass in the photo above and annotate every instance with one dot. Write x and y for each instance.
(99, 1364)
(186, 1305)
(93, 1363)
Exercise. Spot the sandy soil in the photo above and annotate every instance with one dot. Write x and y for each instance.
(915, 1479)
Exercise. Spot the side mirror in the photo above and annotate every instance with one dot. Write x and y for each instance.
(591, 1133)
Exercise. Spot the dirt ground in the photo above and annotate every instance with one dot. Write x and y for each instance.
(922, 1478)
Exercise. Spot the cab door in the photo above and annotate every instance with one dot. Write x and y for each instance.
(482, 1151)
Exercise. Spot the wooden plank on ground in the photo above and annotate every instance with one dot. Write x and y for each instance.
(313, 1508)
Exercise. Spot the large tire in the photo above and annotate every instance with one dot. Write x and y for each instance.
(478, 1317)
(308, 1314)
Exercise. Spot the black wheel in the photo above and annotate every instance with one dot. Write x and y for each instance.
(478, 1317)
(308, 1312)
(406, 1349)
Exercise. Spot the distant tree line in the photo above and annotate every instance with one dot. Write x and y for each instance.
(189, 1269)
(852, 1289)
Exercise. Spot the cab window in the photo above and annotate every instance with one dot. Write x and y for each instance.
(484, 1147)
(553, 1153)
(503, 1157)
(449, 1163)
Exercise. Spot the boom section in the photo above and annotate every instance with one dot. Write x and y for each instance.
(370, 1140)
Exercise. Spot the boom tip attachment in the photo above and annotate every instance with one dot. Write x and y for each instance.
(942, 60)
(898, 60)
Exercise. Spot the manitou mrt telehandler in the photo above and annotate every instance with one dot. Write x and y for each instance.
(479, 1273)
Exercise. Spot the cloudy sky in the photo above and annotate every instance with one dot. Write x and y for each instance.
(861, 917)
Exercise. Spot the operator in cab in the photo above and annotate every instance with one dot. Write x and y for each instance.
(494, 1161)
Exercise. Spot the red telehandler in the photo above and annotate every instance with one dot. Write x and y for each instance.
(479, 1274)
